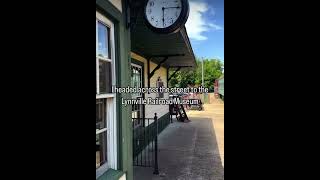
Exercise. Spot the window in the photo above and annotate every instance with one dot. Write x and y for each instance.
(105, 100)
(136, 81)
(136, 78)
(104, 60)
(103, 40)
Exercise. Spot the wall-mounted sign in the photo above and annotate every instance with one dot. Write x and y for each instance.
(166, 16)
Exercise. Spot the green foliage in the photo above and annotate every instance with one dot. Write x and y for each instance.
(212, 70)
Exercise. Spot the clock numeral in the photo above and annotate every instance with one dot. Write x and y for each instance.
(152, 18)
(149, 11)
(177, 14)
(151, 3)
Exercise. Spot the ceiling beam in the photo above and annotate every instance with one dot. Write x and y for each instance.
(166, 55)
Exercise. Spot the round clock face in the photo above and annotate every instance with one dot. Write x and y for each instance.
(166, 15)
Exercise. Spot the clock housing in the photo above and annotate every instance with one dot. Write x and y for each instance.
(165, 12)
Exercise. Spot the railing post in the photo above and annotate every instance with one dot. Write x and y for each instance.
(156, 171)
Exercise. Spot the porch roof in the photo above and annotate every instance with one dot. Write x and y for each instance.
(157, 46)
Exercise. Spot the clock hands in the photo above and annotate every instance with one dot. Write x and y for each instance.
(163, 16)
(171, 7)
(163, 8)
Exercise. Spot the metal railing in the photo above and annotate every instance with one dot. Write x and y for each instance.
(145, 140)
(144, 133)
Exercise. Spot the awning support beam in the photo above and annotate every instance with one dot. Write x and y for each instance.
(155, 69)
(174, 73)
(158, 66)
(148, 66)
(165, 58)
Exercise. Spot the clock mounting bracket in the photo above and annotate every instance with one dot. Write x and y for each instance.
(133, 8)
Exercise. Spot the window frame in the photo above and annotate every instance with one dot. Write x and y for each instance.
(102, 19)
(141, 78)
(141, 108)
(111, 130)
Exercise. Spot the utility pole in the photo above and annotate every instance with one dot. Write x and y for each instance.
(202, 74)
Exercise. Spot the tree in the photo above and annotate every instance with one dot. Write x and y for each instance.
(212, 70)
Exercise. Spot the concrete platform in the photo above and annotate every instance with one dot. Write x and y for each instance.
(191, 151)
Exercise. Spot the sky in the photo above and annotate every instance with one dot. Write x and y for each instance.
(205, 28)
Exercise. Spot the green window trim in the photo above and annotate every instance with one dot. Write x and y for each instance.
(111, 174)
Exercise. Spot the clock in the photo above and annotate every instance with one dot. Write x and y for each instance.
(166, 16)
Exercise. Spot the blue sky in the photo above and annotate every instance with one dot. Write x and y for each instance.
(205, 27)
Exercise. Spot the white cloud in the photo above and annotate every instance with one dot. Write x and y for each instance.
(197, 24)
(215, 26)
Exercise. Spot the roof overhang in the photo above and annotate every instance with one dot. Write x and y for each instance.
(175, 47)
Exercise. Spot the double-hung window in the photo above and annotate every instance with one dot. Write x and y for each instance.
(105, 100)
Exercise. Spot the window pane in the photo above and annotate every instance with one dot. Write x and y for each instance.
(136, 79)
(101, 139)
(103, 40)
(101, 149)
(105, 76)
(137, 113)
(101, 111)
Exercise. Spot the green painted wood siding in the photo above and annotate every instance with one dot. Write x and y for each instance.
(123, 65)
